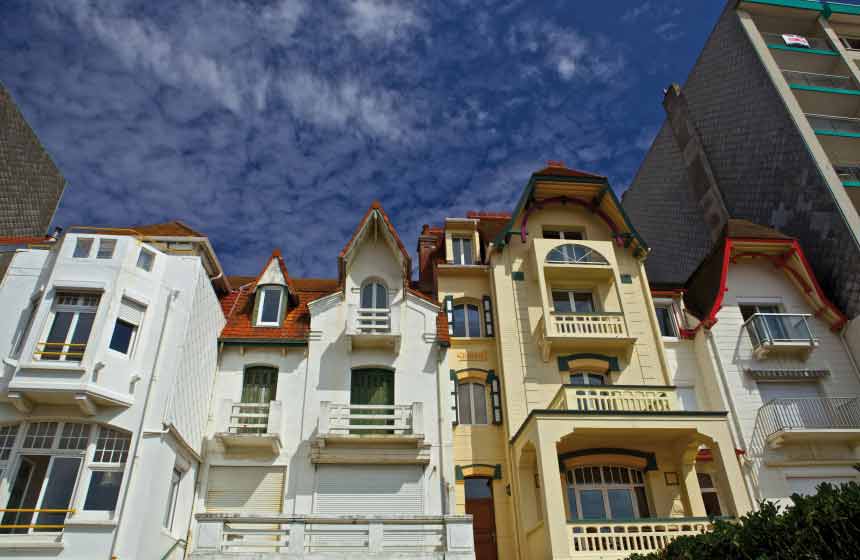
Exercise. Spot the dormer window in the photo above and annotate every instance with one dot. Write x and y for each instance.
(269, 313)
(462, 249)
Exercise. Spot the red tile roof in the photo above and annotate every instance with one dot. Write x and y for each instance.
(23, 240)
(558, 169)
(174, 228)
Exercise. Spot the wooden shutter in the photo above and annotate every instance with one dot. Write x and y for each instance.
(449, 310)
(488, 316)
(455, 411)
(369, 490)
(245, 489)
(495, 397)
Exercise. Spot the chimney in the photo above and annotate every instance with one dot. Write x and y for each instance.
(426, 257)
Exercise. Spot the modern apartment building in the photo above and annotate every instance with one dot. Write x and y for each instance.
(765, 129)
(108, 341)
(568, 415)
(330, 434)
(30, 183)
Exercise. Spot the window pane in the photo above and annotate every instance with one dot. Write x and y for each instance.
(687, 396)
(573, 235)
(592, 504)
(478, 488)
(57, 335)
(584, 302)
(664, 319)
(367, 296)
(80, 336)
(474, 320)
(459, 320)
(550, 234)
(479, 402)
(175, 477)
(571, 502)
(82, 248)
(621, 504)
(464, 404)
(104, 490)
(577, 379)
(561, 302)
(106, 248)
(642, 501)
(58, 493)
(712, 504)
(40, 435)
(145, 260)
(7, 441)
(112, 446)
(271, 305)
(457, 248)
(75, 436)
(747, 311)
(122, 334)
(705, 480)
(381, 297)
(466, 251)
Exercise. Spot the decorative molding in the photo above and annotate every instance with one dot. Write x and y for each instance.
(649, 457)
(462, 472)
(780, 374)
(564, 362)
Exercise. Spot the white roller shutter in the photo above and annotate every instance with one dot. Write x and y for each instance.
(369, 489)
(807, 486)
(245, 489)
(131, 312)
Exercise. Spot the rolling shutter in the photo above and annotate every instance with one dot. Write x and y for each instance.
(369, 490)
(245, 489)
(488, 316)
(449, 311)
(131, 312)
(495, 397)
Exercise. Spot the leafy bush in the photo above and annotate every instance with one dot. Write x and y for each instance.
(825, 526)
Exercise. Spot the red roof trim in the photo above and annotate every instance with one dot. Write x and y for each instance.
(23, 240)
(711, 318)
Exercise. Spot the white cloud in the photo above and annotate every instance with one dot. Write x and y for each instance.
(382, 20)
(634, 13)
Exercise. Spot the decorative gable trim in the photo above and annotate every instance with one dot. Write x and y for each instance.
(602, 362)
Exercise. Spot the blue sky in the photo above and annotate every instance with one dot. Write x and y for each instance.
(276, 124)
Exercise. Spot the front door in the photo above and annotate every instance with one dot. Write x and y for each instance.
(479, 504)
(371, 387)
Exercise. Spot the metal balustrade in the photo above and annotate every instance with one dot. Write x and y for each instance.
(786, 329)
(830, 123)
(624, 398)
(848, 172)
(60, 351)
(26, 515)
(587, 324)
(619, 539)
(372, 321)
(813, 413)
(817, 43)
(358, 419)
(812, 79)
(249, 418)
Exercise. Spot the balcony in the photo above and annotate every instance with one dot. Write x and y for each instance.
(615, 540)
(820, 57)
(371, 433)
(780, 333)
(222, 535)
(833, 94)
(249, 427)
(813, 80)
(615, 398)
(576, 331)
(817, 419)
(372, 328)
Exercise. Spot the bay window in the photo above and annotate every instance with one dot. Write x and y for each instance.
(73, 316)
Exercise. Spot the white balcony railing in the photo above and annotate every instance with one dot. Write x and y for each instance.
(371, 321)
(403, 535)
(620, 539)
(814, 413)
(621, 398)
(587, 324)
(817, 43)
(769, 330)
(831, 123)
(249, 418)
(796, 77)
(371, 419)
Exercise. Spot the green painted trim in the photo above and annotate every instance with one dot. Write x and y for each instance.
(825, 89)
(841, 134)
(851, 184)
(518, 276)
(650, 457)
(802, 50)
(267, 341)
(813, 5)
(626, 279)
(647, 520)
(563, 360)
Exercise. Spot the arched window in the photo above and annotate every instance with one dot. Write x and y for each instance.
(571, 253)
(606, 492)
(585, 378)
(467, 320)
(472, 403)
(373, 315)
(374, 295)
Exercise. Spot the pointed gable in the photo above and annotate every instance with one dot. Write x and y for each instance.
(375, 223)
(275, 274)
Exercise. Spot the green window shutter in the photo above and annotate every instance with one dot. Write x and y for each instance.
(488, 316)
(449, 311)
(455, 411)
(495, 397)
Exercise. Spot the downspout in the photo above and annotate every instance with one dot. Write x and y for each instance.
(734, 425)
(847, 348)
(440, 420)
(173, 294)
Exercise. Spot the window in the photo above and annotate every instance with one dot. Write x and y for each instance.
(71, 326)
(472, 403)
(374, 295)
(22, 336)
(40, 435)
(606, 492)
(172, 496)
(467, 320)
(587, 379)
(709, 495)
(106, 248)
(270, 306)
(767, 322)
(8, 434)
(666, 320)
(462, 250)
(687, 396)
(563, 234)
(575, 254)
(74, 436)
(107, 469)
(126, 326)
(852, 43)
(145, 259)
(83, 247)
(572, 301)
(373, 315)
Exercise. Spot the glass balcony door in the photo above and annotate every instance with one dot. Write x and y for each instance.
(43, 482)
(372, 387)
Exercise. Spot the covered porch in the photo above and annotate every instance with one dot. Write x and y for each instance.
(614, 484)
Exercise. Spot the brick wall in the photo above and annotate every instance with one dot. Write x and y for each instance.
(30, 183)
(763, 168)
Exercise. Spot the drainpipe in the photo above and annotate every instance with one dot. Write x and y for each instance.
(441, 405)
(847, 348)
(173, 294)
(734, 425)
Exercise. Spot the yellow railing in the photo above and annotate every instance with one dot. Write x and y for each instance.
(34, 525)
(57, 350)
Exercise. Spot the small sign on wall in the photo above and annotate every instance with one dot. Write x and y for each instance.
(472, 355)
(796, 41)
(671, 478)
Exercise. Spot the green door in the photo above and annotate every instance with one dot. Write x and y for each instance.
(259, 386)
(372, 386)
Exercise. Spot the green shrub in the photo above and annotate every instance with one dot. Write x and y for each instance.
(825, 526)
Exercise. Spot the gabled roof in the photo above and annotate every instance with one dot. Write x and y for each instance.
(174, 228)
(375, 217)
(557, 184)
(743, 241)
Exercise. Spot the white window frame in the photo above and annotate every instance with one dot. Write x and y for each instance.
(85, 245)
(31, 311)
(472, 405)
(670, 308)
(712, 489)
(261, 293)
(176, 476)
(466, 331)
(144, 256)
(94, 466)
(571, 296)
(586, 378)
(458, 251)
(565, 234)
(604, 488)
(107, 245)
(76, 309)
